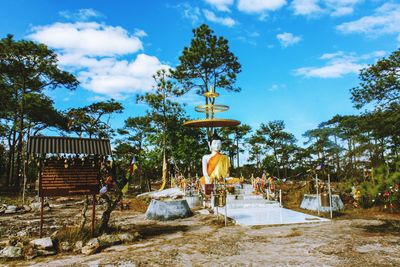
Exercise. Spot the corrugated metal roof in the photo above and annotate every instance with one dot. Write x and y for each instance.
(70, 145)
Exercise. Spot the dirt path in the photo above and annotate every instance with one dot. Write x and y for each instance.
(201, 241)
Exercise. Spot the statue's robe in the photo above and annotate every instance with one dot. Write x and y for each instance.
(217, 168)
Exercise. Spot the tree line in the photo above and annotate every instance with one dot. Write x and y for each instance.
(350, 144)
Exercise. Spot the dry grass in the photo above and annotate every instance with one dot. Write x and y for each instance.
(72, 234)
(136, 204)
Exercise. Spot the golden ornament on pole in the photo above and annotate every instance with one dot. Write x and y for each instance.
(210, 109)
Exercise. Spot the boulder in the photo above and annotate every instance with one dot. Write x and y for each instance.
(65, 246)
(22, 233)
(35, 206)
(108, 240)
(128, 237)
(10, 209)
(42, 252)
(78, 246)
(27, 208)
(43, 243)
(91, 247)
(168, 210)
(167, 193)
(11, 252)
(3, 208)
(204, 212)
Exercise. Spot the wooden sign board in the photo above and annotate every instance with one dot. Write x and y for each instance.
(77, 179)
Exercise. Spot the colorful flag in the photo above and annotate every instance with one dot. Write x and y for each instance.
(132, 167)
(164, 173)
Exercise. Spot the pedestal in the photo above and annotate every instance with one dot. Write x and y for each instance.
(168, 210)
(310, 202)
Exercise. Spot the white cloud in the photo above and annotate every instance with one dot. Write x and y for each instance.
(287, 39)
(259, 6)
(110, 76)
(338, 64)
(341, 7)
(334, 8)
(276, 87)
(188, 12)
(220, 5)
(89, 38)
(227, 21)
(306, 7)
(140, 33)
(81, 14)
(101, 56)
(385, 20)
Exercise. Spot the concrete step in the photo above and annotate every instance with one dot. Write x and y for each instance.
(251, 205)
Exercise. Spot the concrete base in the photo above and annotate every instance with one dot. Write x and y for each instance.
(310, 202)
(194, 201)
(168, 210)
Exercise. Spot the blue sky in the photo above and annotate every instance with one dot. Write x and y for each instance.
(299, 58)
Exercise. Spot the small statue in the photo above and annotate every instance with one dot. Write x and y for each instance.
(214, 165)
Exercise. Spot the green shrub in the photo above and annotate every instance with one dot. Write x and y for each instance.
(383, 189)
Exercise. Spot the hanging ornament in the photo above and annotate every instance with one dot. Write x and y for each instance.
(103, 190)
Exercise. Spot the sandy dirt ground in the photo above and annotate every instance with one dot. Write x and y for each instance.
(201, 240)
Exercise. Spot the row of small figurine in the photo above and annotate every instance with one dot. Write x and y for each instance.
(71, 160)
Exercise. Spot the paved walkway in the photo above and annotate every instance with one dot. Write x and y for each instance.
(248, 209)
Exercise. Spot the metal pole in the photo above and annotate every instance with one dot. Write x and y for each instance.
(330, 194)
(41, 216)
(280, 198)
(93, 214)
(226, 208)
(316, 185)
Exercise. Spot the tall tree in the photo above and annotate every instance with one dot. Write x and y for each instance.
(380, 83)
(274, 137)
(94, 120)
(137, 130)
(235, 136)
(26, 69)
(207, 62)
(164, 111)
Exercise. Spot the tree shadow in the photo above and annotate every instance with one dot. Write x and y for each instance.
(390, 227)
(150, 231)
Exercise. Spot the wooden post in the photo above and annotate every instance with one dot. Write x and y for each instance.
(93, 214)
(226, 208)
(318, 199)
(280, 198)
(41, 216)
(330, 195)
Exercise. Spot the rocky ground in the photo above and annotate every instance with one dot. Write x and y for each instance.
(201, 240)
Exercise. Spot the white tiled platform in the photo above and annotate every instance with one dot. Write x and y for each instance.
(248, 210)
(268, 216)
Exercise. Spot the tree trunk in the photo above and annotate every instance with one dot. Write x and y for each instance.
(20, 139)
(110, 207)
(237, 153)
(276, 163)
(84, 218)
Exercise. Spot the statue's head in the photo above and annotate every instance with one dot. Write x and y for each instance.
(216, 143)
